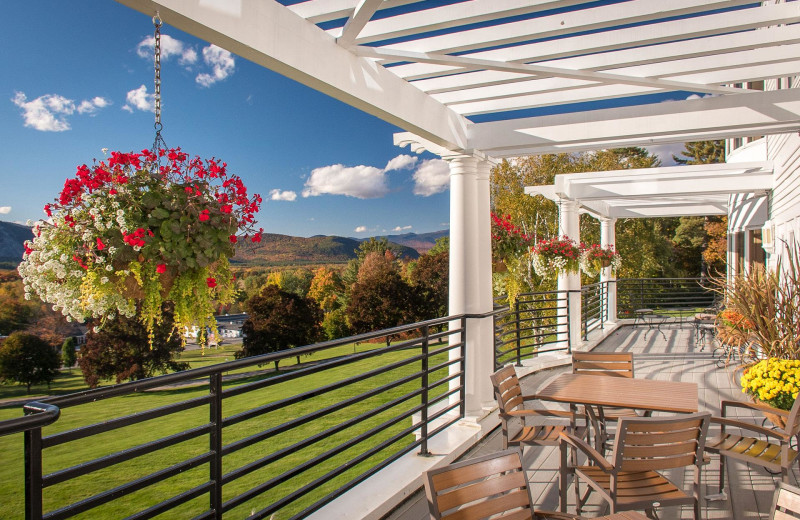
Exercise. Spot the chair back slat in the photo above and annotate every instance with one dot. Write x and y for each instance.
(786, 502)
(506, 389)
(615, 364)
(479, 488)
(657, 443)
(793, 421)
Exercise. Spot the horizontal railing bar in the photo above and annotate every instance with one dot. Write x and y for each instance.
(276, 456)
(120, 422)
(121, 456)
(357, 460)
(38, 415)
(173, 502)
(127, 489)
(90, 395)
(206, 515)
(277, 405)
(298, 421)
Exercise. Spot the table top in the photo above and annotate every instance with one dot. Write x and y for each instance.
(623, 392)
(625, 515)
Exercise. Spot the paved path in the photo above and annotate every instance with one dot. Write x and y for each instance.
(672, 356)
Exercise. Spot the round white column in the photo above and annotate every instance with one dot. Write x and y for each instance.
(569, 225)
(470, 290)
(608, 237)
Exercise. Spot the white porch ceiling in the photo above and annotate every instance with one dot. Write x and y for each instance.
(673, 191)
(516, 77)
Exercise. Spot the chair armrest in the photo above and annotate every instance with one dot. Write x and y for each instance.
(777, 433)
(753, 406)
(596, 456)
(542, 412)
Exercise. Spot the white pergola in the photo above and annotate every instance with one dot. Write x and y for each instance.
(479, 80)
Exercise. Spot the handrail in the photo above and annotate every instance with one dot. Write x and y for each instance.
(37, 415)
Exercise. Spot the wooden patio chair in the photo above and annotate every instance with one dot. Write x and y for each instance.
(775, 454)
(786, 503)
(514, 415)
(482, 487)
(643, 447)
(610, 364)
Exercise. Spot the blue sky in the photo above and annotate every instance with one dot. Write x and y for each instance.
(76, 79)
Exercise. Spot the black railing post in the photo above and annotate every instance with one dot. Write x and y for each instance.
(585, 316)
(424, 412)
(215, 440)
(463, 382)
(569, 324)
(603, 304)
(33, 474)
(519, 332)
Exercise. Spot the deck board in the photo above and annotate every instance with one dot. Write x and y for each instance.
(675, 357)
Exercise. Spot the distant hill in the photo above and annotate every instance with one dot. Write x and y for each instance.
(422, 242)
(276, 250)
(12, 237)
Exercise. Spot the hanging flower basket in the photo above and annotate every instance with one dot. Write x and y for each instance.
(551, 257)
(595, 257)
(128, 234)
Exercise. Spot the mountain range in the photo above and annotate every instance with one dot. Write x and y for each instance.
(273, 250)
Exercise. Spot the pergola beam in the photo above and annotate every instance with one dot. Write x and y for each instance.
(272, 36)
(355, 24)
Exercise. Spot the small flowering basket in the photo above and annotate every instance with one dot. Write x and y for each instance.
(128, 234)
(595, 257)
(551, 257)
(775, 382)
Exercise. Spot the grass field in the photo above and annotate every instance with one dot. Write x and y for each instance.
(280, 475)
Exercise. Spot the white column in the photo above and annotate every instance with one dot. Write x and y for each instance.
(470, 275)
(608, 237)
(569, 225)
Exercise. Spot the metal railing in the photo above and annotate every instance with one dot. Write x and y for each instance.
(663, 295)
(594, 305)
(237, 440)
(533, 324)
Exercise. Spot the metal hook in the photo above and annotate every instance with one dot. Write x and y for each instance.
(157, 20)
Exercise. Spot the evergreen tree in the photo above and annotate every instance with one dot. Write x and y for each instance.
(68, 356)
(702, 152)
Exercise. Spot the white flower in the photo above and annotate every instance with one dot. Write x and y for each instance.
(109, 267)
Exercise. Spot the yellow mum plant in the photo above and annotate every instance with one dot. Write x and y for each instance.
(773, 381)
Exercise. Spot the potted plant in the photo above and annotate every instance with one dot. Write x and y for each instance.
(596, 257)
(129, 234)
(550, 257)
(775, 382)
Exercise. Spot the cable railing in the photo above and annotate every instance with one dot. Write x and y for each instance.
(240, 440)
(535, 323)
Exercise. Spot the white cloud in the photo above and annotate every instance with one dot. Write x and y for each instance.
(360, 229)
(93, 105)
(404, 228)
(5, 210)
(169, 47)
(139, 99)
(432, 176)
(49, 113)
(282, 195)
(401, 162)
(221, 63)
(361, 182)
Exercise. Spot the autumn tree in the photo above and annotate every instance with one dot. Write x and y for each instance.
(380, 298)
(279, 320)
(295, 281)
(328, 291)
(122, 350)
(429, 279)
(16, 313)
(28, 360)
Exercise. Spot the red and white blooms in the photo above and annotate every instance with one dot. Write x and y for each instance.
(596, 257)
(555, 255)
(128, 234)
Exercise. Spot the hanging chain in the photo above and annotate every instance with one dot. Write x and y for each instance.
(159, 141)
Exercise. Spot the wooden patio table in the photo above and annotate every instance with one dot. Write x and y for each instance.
(625, 515)
(622, 392)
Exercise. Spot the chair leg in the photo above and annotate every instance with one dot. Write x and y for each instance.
(563, 480)
(721, 473)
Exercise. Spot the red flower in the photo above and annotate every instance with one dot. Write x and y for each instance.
(161, 268)
(100, 244)
(233, 239)
(226, 208)
(112, 191)
(212, 282)
(204, 215)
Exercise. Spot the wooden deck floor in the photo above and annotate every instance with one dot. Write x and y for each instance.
(673, 356)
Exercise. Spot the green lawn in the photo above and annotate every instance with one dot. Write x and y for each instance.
(76, 452)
